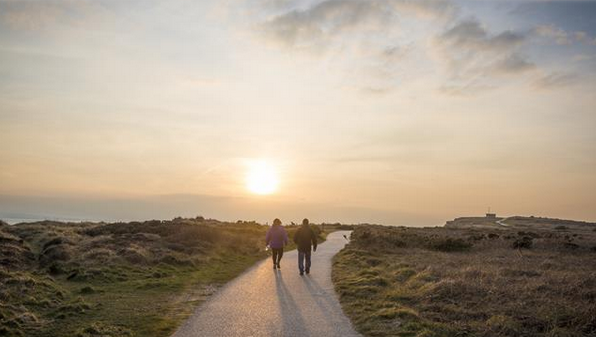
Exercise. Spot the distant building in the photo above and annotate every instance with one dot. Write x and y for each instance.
(491, 215)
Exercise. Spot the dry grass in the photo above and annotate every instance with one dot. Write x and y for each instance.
(469, 281)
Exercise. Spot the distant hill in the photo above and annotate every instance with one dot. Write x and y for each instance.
(470, 222)
(517, 222)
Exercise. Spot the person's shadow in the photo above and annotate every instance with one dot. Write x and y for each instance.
(293, 323)
(321, 297)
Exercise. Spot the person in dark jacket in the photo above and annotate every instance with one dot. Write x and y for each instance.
(276, 239)
(305, 238)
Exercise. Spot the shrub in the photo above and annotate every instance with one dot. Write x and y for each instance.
(55, 253)
(530, 234)
(449, 245)
(87, 290)
(524, 242)
(570, 245)
(53, 242)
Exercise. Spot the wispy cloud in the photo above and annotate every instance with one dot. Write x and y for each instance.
(563, 37)
(324, 22)
(474, 56)
(317, 26)
(29, 16)
(48, 15)
(373, 39)
(556, 80)
(376, 36)
(471, 35)
(514, 64)
(556, 34)
(583, 57)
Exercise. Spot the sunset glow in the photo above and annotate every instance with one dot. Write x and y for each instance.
(389, 111)
(262, 178)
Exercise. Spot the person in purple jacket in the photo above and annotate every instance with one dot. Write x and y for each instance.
(276, 238)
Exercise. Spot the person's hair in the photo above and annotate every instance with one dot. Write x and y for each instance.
(305, 221)
(276, 221)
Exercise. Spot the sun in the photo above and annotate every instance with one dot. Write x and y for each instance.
(261, 177)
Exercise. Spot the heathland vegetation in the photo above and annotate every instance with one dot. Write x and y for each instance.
(521, 276)
(117, 279)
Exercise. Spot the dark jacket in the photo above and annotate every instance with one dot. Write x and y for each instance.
(304, 237)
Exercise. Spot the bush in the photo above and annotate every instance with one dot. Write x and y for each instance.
(523, 242)
(570, 245)
(449, 245)
(54, 242)
(55, 253)
(87, 290)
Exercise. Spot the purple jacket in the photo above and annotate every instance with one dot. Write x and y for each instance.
(276, 237)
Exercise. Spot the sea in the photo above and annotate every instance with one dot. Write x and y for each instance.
(16, 220)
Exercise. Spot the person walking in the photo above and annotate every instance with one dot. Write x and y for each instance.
(276, 239)
(305, 238)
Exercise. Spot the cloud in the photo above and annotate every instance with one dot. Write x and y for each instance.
(558, 35)
(583, 57)
(514, 64)
(474, 57)
(370, 39)
(44, 16)
(563, 37)
(393, 53)
(556, 80)
(384, 43)
(30, 16)
(317, 25)
(327, 21)
(464, 89)
(471, 35)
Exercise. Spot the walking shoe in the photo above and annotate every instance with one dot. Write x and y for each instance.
(301, 273)
(274, 266)
(278, 267)
(308, 271)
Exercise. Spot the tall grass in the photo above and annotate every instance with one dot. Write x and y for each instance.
(117, 279)
(469, 282)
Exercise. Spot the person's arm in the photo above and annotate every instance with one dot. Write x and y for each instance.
(296, 233)
(314, 240)
(285, 238)
(268, 237)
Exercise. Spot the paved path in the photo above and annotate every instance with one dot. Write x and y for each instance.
(501, 223)
(265, 302)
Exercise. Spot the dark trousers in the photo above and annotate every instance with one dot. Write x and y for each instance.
(277, 254)
(301, 257)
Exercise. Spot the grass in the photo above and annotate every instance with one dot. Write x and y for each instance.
(469, 281)
(120, 279)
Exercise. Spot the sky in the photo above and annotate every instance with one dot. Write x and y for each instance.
(382, 111)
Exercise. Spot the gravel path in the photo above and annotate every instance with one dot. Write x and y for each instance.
(266, 302)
